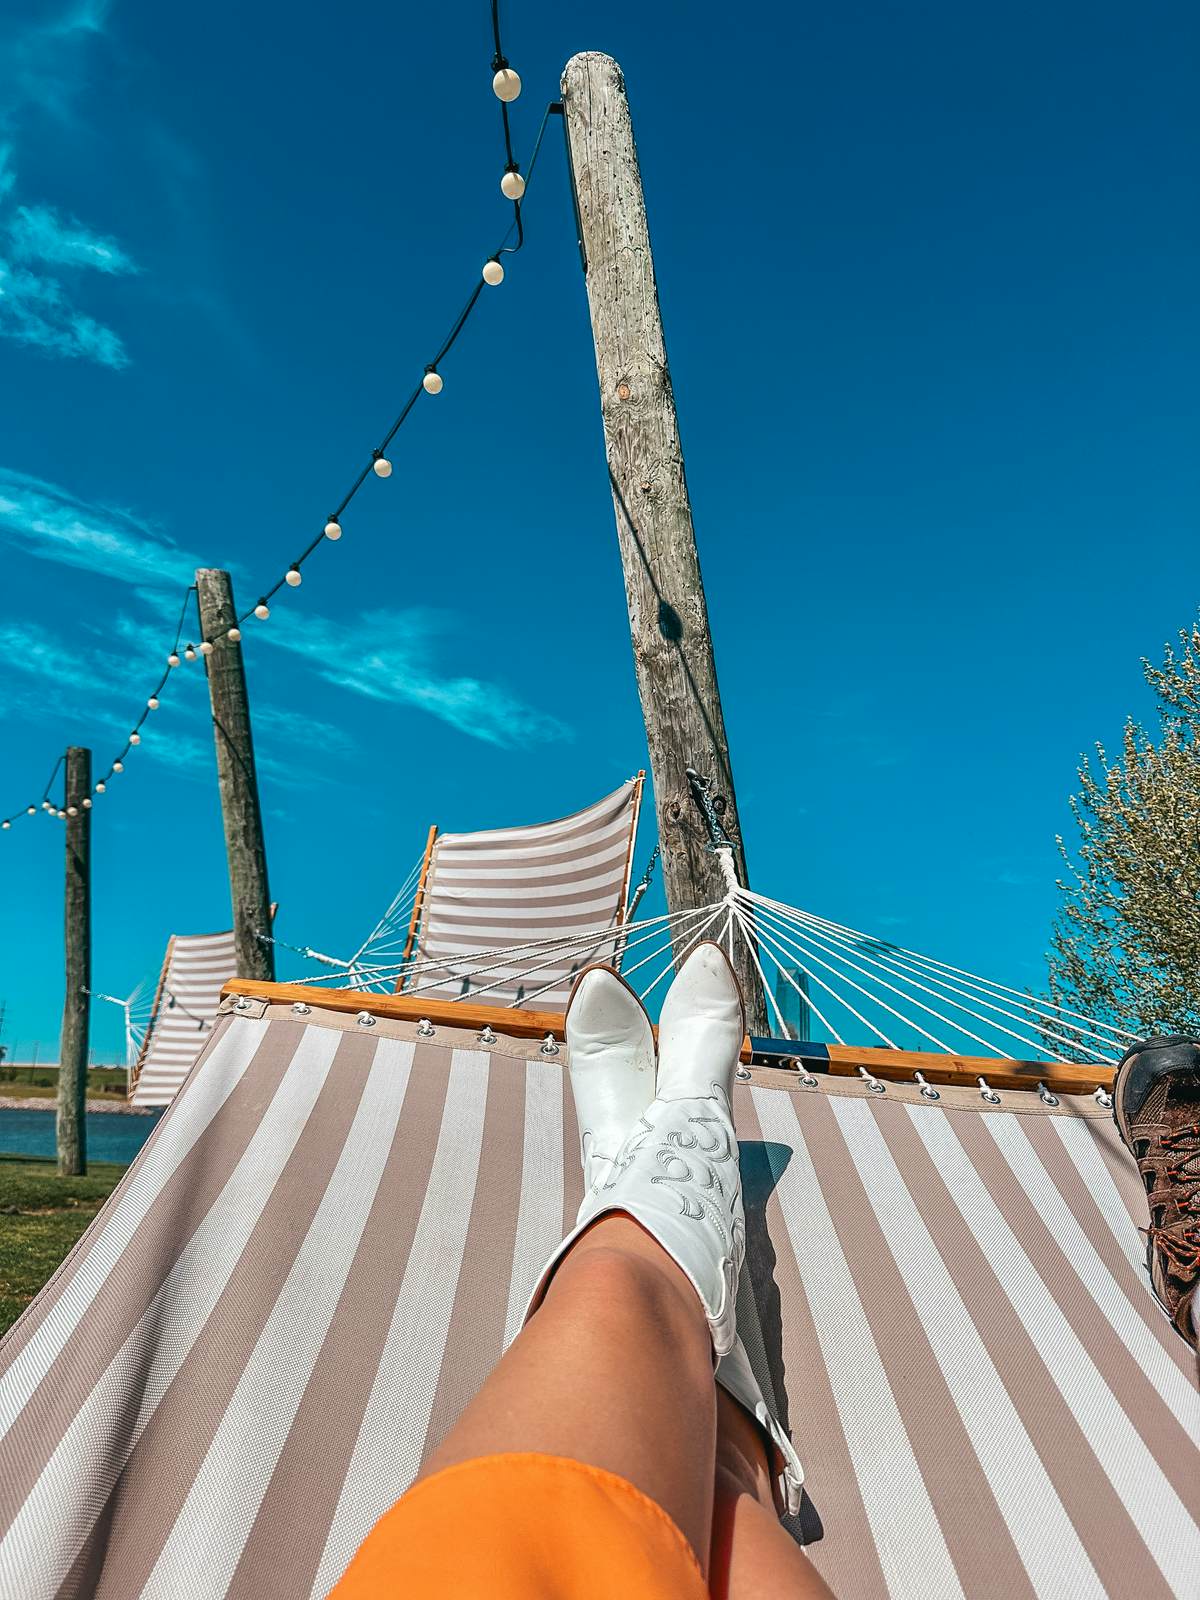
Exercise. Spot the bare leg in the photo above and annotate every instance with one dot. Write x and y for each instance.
(615, 1369)
(752, 1555)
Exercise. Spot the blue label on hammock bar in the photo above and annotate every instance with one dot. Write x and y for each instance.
(795, 1049)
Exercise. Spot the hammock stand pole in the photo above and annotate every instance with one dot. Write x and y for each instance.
(668, 615)
(71, 1117)
(236, 777)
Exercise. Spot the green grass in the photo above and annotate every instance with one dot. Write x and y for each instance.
(41, 1083)
(41, 1216)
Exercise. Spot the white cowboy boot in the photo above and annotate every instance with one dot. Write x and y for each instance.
(735, 1374)
(610, 1046)
(677, 1171)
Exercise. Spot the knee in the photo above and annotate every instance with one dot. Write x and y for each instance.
(616, 1284)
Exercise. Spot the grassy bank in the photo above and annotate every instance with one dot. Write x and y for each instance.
(41, 1083)
(41, 1216)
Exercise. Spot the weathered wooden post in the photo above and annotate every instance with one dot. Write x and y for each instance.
(236, 777)
(668, 616)
(71, 1121)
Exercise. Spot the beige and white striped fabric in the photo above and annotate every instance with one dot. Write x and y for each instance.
(330, 1235)
(510, 887)
(195, 969)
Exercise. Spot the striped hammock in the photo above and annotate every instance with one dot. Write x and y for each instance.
(512, 886)
(329, 1238)
(195, 968)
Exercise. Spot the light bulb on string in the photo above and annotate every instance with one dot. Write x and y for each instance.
(152, 703)
(31, 811)
(234, 634)
(172, 659)
(6, 825)
(383, 467)
(87, 805)
(135, 738)
(46, 806)
(493, 272)
(293, 577)
(118, 766)
(333, 529)
(101, 787)
(206, 648)
(432, 381)
(512, 184)
(262, 611)
(61, 815)
(190, 653)
(506, 85)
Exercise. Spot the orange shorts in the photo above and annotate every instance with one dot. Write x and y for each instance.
(523, 1527)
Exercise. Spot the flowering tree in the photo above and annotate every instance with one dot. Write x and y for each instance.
(1126, 942)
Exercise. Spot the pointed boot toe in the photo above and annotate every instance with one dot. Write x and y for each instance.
(701, 1027)
(610, 1051)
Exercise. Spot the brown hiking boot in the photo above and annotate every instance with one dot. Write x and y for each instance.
(1156, 1104)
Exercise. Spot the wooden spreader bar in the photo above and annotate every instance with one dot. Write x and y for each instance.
(893, 1066)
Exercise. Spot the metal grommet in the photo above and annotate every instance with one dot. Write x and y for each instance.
(425, 1028)
(927, 1089)
(365, 1019)
(872, 1082)
(241, 1004)
(988, 1093)
(299, 1007)
(807, 1079)
(743, 1074)
(549, 1047)
(1045, 1096)
(488, 1035)
(1102, 1098)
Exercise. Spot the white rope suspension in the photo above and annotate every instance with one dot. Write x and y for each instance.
(805, 997)
(825, 942)
(969, 977)
(948, 990)
(932, 1011)
(775, 946)
(674, 957)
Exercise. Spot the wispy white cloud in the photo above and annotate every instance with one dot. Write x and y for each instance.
(43, 66)
(39, 233)
(40, 519)
(392, 656)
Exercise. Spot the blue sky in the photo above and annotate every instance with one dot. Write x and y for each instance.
(928, 282)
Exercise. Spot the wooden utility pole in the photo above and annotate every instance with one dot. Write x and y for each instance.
(71, 1122)
(236, 777)
(668, 616)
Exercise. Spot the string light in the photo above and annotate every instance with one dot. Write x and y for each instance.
(87, 804)
(506, 84)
